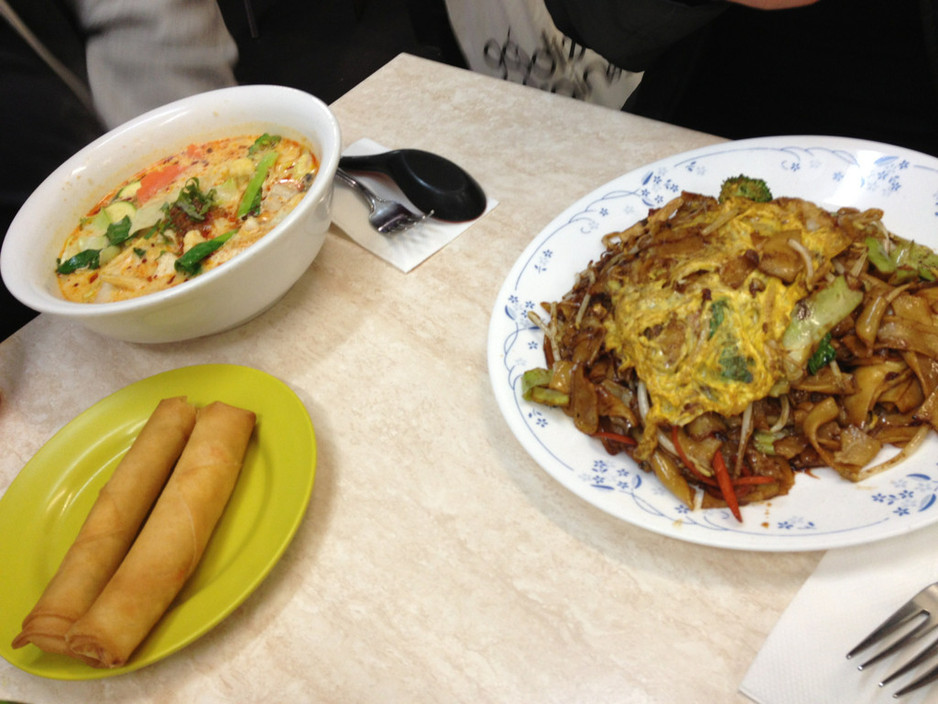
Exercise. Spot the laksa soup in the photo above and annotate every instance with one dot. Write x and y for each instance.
(184, 215)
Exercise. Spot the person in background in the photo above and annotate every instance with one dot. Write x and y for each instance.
(749, 68)
(72, 69)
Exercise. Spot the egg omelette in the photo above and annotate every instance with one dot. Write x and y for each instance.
(704, 295)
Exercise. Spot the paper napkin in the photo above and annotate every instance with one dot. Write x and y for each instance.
(852, 591)
(406, 249)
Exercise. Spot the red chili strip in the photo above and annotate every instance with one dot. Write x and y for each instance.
(726, 485)
(615, 437)
(702, 478)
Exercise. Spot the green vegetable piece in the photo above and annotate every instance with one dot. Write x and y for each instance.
(97, 222)
(823, 355)
(251, 199)
(906, 261)
(549, 397)
(913, 260)
(86, 258)
(878, 256)
(118, 210)
(745, 187)
(764, 442)
(191, 262)
(735, 367)
(717, 313)
(193, 202)
(118, 232)
(129, 191)
(157, 228)
(816, 315)
(535, 387)
(533, 378)
(265, 141)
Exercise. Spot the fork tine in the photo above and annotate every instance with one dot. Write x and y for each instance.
(913, 634)
(926, 653)
(926, 678)
(923, 604)
(387, 216)
(401, 223)
(395, 225)
(902, 615)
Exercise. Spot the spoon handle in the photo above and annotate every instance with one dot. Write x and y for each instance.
(432, 169)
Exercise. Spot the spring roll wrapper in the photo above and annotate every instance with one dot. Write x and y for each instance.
(171, 542)
(110, 527)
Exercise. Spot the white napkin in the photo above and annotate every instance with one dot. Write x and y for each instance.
(406, 249)
(852, 591)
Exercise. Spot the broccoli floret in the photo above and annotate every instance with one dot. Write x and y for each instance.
(742, 186)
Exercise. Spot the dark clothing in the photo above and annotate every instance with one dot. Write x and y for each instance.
(856, 68)
(42, 122)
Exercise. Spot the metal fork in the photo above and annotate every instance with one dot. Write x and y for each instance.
(387, 216)
(921, 608)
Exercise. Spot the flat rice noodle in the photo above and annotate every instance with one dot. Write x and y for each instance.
(914, 308)
(898, 435)
(704, 425)
(611, 405)
(668, 472)
(583, 402)
(827, 381)
(778, 258)
(928, 412)
(561, 373)
(790, 446)
(664, 213)
(773, 466)
(700, 452)
(875, 305)
(589, 341)
(925, 368)
(828, 435)
(898, 458)
(902, 334)
(869, 380)
(858, 349)
(681, 247)
(857, 448)
(671, 340)
(734, 272)
(821, 414)
(905, 394)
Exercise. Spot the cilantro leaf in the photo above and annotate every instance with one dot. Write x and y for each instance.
(86, 258)
(193, 202)
(118, 232)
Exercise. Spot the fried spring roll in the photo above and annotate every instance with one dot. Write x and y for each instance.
(170, 543)
(110, 527)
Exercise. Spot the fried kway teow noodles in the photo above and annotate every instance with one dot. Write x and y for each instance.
(728, 343)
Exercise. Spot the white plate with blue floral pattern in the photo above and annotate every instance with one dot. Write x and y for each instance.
(822, 511)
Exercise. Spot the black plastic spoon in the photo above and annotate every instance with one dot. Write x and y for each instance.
(430, 181)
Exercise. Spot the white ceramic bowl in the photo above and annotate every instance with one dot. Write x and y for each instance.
(220, 298)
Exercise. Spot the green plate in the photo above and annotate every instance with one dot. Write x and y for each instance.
(44, 507)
